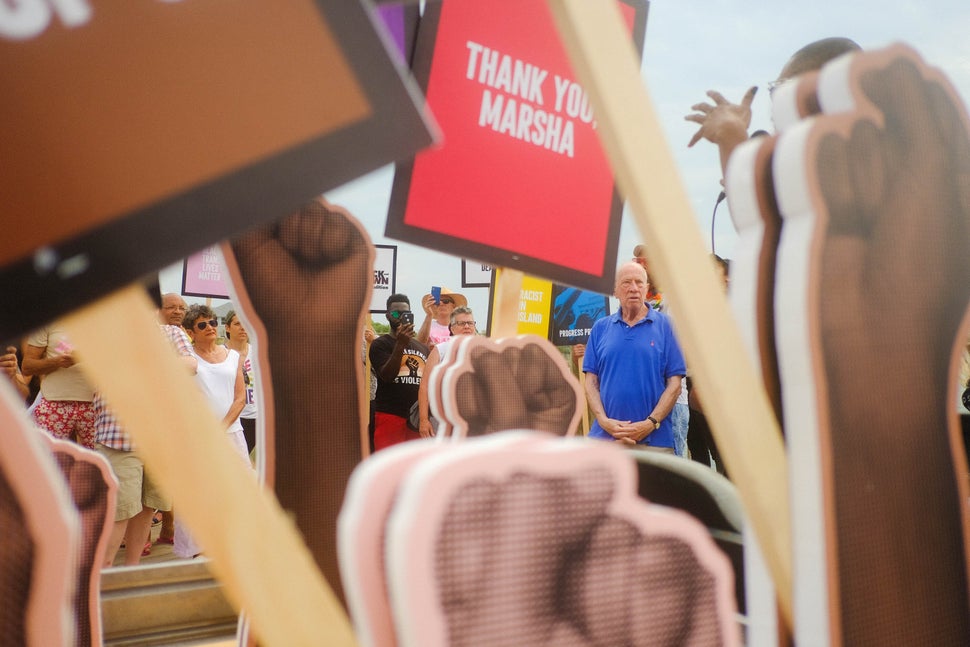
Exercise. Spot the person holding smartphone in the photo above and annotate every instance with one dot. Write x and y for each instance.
(438, 306)
(399, 361)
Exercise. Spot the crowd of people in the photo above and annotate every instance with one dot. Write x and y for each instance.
(60, 400)
(635, 371)
(637, 383)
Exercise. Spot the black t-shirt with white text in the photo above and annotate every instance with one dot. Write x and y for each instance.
(396, 397)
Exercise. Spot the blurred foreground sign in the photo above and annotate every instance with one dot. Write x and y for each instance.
(137, 132)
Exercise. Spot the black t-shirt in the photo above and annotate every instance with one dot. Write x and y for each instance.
(397, 397)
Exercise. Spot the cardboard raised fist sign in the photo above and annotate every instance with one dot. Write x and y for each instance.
(870, 176)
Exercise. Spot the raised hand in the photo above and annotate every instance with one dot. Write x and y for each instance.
(303, 283)
(511, 541)
(521, 383)
(722, 122)
(286, 265)
(875, 196)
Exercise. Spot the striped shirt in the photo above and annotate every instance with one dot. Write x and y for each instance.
(107, 429)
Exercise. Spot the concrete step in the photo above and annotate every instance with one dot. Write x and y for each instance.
(174, 603)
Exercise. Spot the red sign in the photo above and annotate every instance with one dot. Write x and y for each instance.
(521, 180)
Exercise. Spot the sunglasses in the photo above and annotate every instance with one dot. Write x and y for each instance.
(211, 322)
(447, 301)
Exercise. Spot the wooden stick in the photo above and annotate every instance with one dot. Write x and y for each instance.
(254, 548)
(746, 431)
(582, 384)
(508, 292)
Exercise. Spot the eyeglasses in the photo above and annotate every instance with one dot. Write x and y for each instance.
(447, 301)
(211, 322)
(464, 323)
(175, 308)
(774, 85)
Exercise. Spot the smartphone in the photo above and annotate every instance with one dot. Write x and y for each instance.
(436, 293)
(407, 318)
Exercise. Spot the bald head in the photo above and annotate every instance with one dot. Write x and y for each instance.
(631, 270)
(631, 286)
(814, 55)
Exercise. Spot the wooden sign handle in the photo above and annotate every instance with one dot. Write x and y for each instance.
(255, 550)
(582, 383)
(743, 424)
(508, 290)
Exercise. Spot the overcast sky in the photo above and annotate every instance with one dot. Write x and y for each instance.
(692, 46)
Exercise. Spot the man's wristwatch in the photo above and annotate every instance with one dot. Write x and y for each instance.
(656, 425)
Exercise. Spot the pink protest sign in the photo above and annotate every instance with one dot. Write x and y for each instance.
(203, 274)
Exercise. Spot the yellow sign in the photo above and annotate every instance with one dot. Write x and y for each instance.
(535, 301)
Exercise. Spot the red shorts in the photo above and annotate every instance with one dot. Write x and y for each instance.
(391, 430)
(67, 420)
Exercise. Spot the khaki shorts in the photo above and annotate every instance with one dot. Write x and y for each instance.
(136, 489)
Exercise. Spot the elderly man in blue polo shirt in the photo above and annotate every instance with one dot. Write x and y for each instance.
(633, 368)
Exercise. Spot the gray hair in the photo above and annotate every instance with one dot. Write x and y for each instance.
(460, 310)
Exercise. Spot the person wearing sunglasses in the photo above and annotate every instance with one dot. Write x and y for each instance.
(398, 360)
(220, 378)
(437, 315)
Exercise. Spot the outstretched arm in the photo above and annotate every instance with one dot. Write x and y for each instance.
(424, 332)
(723, 123)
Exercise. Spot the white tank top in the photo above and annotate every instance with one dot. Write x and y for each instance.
(218, 384)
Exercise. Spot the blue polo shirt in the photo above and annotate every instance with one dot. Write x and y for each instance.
(632, 364)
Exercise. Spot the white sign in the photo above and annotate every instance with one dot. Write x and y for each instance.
(385, 276)
(475, 274)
